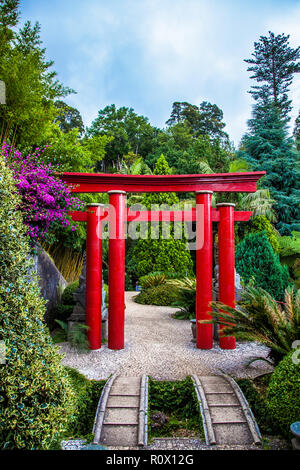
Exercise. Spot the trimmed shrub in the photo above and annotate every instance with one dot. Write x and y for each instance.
(158, 295)
(36, 398)
(256, 261)
(260, 223)
(161, 254)
(283, 394)
(67, 296)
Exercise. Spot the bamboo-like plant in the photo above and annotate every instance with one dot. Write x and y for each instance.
(259, 317)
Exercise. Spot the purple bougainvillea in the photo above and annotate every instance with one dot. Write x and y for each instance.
(45, 199)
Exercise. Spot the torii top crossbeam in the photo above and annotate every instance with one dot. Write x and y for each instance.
(217, 182)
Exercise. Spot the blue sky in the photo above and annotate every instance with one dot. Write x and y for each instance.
(146, 54)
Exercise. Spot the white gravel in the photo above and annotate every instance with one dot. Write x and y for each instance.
(160, 346)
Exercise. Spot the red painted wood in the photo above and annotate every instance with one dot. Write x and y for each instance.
(93, 277)
(226, 266)
(148, 216)
(204, 271)
(218, 182)
(116, 272)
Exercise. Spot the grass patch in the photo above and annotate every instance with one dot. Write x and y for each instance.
(177, 400)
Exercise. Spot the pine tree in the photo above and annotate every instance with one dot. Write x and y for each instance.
(163, 255)
(267, 145)
(274, 65)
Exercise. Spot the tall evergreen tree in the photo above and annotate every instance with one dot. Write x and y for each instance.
(274, 64)
(267, 145)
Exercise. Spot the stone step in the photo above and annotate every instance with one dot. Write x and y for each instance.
(121, 400)
(121, 436)
(128, 381)
(232, 434)
(224, 398)
(219, 387)
(121, 415)
(125, 389)
(226, 414)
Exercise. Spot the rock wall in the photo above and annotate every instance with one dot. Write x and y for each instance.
(50, 281)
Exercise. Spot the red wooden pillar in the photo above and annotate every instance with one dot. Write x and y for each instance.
(116, 269)
(93, 293)
(204, 268)
(226, 264)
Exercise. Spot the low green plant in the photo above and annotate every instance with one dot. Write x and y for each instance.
(152, 280)
(185, 293)
(87, 394)
(289, 246)
(67, 295)
(157, 295)
(258, 406)
(283, 393)
(178, 401)
(76, 335)
(258, 317)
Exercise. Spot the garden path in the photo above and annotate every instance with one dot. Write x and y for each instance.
(160, 346)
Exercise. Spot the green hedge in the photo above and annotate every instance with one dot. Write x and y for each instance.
(283, 394)
(158, 295)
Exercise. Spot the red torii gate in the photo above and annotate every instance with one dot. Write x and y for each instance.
(117, 186)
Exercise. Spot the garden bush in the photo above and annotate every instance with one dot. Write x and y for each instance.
(256, 261)
(65, 308)
(161, 254)
(260, 223)
(283, 393)
(158, 295)
(185, 297)
(36, 397)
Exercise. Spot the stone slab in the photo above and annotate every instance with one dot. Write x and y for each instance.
(121, 415)
(236, 434)
(123, 401)
(119, 435)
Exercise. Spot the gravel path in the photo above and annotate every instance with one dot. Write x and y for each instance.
(160, 346)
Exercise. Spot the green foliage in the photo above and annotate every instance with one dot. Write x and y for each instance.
(258, 406)
(185, 291)
(152, 280)
(76, 335)
(178, 400)
(283, 394)
(157, 295)
(36, 399)
(87, 394)
(160, 254)
(130, 132)
(267, 146)
(69, 118)
(256, 261)
(258, 317)
(289, 246)
(260, 223)
(67, 296)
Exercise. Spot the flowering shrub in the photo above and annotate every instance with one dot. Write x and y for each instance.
(45, 199)
(37, 403)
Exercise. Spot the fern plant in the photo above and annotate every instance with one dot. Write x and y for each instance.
(259, 317)
(76, 335)
(152, 280)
